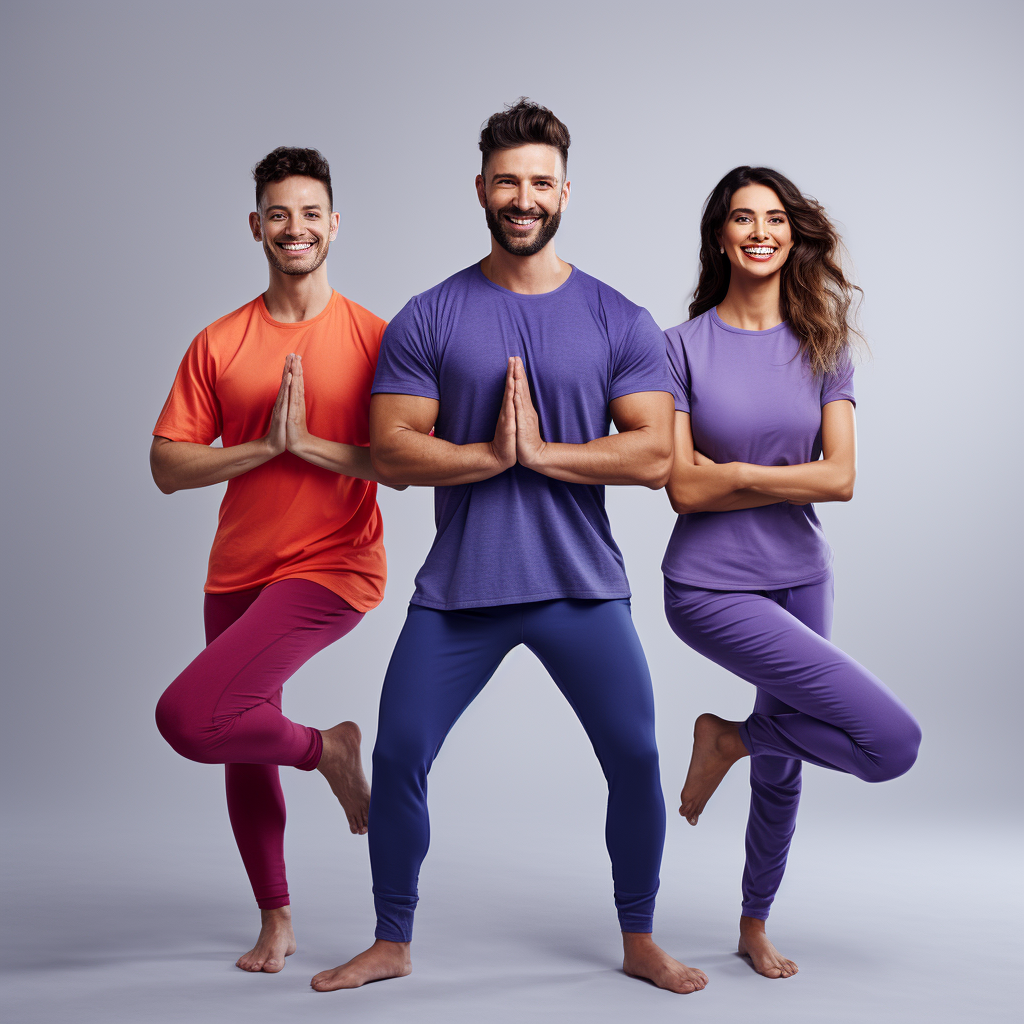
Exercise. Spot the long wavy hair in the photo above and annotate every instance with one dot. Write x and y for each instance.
(815, 295)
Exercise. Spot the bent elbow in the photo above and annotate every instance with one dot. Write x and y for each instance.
(384, 470)
(845, 490)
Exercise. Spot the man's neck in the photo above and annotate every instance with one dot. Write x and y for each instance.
(750, 304)
(529, 275)
(292, 298)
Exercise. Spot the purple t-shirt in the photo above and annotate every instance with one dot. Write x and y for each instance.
(751, 398)
(521, 536)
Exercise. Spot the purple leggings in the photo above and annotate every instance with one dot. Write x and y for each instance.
(225, 708)
(814, 703)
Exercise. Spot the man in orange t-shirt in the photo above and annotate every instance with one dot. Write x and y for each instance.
(298, 557)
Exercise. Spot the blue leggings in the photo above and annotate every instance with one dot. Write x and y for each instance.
(814, 703)
(442, 661)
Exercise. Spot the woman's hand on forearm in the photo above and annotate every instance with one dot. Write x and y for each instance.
(641, 453)
(831, 478)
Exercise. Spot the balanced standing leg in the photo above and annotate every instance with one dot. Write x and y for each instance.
(594, 655)
(441, 662)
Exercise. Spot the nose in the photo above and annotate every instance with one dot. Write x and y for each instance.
(760, 228)
(524, 197)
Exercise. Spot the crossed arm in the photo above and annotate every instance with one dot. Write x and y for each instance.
(697, 484)
(404, 451)
(179, 465)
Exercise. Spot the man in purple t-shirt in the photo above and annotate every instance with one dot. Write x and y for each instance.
(497, 388)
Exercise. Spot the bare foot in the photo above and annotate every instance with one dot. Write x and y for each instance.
(644, 959)
(764, 957)
(276, 941)
(382, 960)
(716, 748)
(342, 766)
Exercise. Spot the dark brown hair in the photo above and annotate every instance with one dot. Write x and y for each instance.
(816, 297)
(523, 123)
(286, 161)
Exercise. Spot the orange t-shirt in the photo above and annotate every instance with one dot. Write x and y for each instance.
(287, 519)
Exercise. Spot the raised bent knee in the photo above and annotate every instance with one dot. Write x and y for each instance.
(899, 755)
(184, 734)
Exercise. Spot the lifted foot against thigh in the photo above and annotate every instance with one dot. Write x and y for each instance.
(643, 958)
(716, 748)
(342, 766)
(382, 960)
(276, 941)
(763, 956)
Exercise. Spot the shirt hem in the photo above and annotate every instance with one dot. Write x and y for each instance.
(553, 595)
(336, 583)
(693, 581)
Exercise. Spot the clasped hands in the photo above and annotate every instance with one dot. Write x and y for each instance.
(288, 420)
(517, 433)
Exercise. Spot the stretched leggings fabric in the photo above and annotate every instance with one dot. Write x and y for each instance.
(225, 708)
(814, 703)
(442, 661)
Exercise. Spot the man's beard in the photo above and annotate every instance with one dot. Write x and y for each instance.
(293, 269)
(521, 246)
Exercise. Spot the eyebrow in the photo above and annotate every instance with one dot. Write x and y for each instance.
(743, 209)
(532, 177)
(309, 206)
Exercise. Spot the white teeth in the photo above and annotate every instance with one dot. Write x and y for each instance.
(523, 220)
(759, 250)
(296, 246)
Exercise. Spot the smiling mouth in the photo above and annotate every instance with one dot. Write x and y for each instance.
(523, 223)
(759, 252)
(295, 246)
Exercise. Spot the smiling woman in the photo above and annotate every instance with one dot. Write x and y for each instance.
(815, 295)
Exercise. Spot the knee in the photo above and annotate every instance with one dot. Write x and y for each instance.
(396, 757)
(182, 732)
(898, 754)
(638, 761)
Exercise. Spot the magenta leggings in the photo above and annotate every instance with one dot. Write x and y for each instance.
(225, 708)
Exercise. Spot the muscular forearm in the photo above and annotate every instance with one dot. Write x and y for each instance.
(631, 457)
(180, 465)
(824, 480)
(406, 456)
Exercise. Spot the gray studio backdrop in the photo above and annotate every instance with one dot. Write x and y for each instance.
(130, 130)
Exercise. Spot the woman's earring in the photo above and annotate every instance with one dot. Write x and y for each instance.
(721, 250)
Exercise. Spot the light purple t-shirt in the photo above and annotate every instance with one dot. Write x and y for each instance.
(521, 536)
(751, 398)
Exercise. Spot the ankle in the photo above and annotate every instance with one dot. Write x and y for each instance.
(751, 926)
(276, 914)
(634, 942)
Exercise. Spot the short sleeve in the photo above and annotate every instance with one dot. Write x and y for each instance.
(639, 363)
(407, 364)
(837, 384)
(679, 370)
(192, 411)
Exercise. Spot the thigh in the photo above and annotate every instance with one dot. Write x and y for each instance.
(595, 658)
(752, 636)
(441, 661)
(286, 624)
(223, 610)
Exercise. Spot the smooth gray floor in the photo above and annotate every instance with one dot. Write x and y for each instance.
(145, 926)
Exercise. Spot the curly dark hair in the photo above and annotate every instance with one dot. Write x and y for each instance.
(520, 124)
(285, 161)
(816, 296)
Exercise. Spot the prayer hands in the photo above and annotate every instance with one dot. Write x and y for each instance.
(529, 444)
(295, 429)
(276, 436)
(504, 443)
